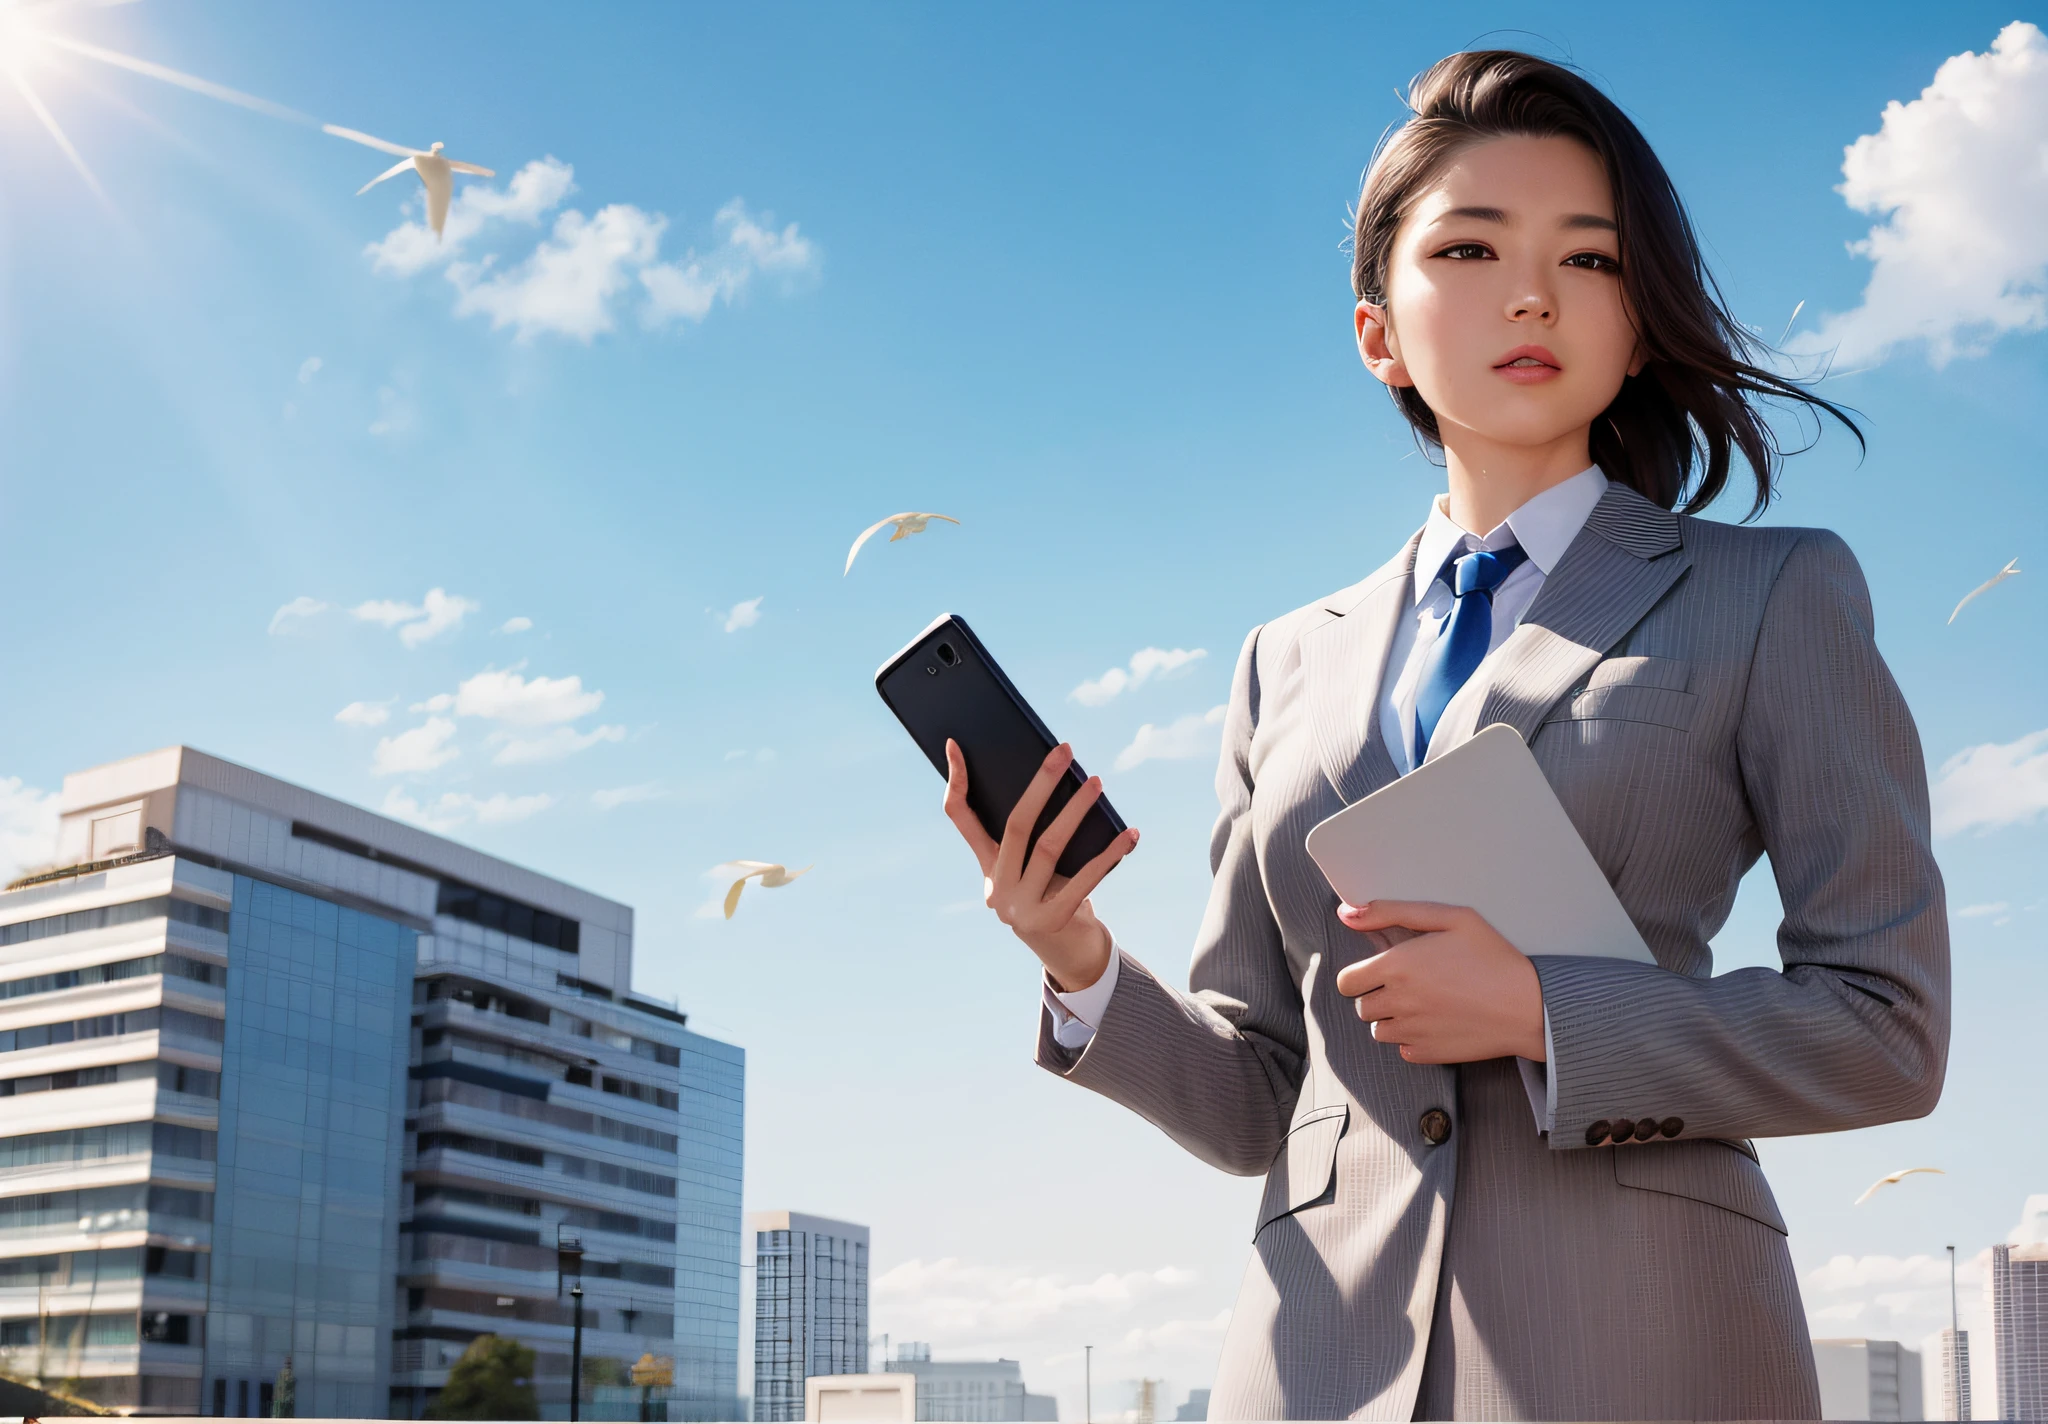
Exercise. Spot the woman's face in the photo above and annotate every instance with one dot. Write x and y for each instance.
(1503, 304)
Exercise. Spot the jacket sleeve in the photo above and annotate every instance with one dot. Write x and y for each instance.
(1217, 1069)
(1854, 1029)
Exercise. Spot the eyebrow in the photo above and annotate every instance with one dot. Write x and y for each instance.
(1573, 221)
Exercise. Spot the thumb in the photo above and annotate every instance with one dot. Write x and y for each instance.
(1422, 916)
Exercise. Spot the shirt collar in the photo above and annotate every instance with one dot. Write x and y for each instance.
(1544, 526)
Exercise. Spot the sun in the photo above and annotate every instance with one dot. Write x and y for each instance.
(25, 47)
(29, 44)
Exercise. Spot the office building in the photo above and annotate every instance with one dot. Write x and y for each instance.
(1197, 1406)
(292, 1082)
(969, 1389)
(2019, 1330)
(1955, 1374)
(810, 1306)
(1877, 1380)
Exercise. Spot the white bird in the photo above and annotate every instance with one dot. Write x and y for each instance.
(436, 172)
(906, 525)
(1893, 1180)
(772, 877)
(1993, 582)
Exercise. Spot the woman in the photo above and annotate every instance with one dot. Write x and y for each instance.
(1500, 1187)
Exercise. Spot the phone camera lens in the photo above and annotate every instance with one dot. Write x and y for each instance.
(947, 655)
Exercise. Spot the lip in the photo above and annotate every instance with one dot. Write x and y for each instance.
(1550, 369)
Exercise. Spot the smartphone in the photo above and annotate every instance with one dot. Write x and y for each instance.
(945, 684)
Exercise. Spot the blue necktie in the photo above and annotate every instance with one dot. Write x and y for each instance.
(1462, 642)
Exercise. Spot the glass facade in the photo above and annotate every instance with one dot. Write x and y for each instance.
(305, 1224)
(708, 1245)
(275, 1096)
(810, 1307)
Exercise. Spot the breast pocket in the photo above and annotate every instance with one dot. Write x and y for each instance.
(1632, 689)
(1305, 1171)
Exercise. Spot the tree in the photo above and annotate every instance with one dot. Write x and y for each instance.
(492, 1380)
(284, 1404)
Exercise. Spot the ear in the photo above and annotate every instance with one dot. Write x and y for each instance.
(1377, 346)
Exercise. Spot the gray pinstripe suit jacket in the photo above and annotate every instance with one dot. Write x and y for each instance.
(1698, 694)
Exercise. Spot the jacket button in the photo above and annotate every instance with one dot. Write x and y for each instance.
(1671, 1126)
(1624, 1129)
(1436, 1126)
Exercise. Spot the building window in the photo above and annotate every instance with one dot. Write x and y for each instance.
(100, 916)
(506, 915)
(162, 1328)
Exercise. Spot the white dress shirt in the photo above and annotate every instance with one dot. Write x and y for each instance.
(1545, 527)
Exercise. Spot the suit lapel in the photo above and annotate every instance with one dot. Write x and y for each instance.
(1343, 662)
(1626, 558)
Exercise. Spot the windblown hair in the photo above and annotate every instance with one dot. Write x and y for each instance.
(1672, 431)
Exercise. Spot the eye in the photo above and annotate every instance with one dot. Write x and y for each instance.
(1593, 262)
(1465, 252)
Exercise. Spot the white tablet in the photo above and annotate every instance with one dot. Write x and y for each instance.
(1480, 826)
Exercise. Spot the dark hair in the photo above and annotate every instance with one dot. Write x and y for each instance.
(1692, 404)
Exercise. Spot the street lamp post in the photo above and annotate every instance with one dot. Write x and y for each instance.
(1088, 1384)
(576, 1356)
(569, 1262)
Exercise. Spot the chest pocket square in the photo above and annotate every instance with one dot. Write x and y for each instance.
(1305, 1171)
(1632, 689)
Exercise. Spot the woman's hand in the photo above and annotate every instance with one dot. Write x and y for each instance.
(1456, 993)
(1050, 913)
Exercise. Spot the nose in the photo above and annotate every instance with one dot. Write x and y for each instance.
(1532, 300)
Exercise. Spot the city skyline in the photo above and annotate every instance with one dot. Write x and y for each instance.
(547, 555)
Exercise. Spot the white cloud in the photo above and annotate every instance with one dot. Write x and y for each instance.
(453, 808)
(516, 625)
(576, 281)
(1173, 1334)
(396, 414)
(552, 745)
(1146, 664)
(1190, 736)
(976, 1298)
(439, 702)
(1993, 785)
(1971, 912)
(1956, 177)
(687, 290)
(617, 796)
(308, 369)
(439, 612)
(420, 748)
(567, 283)
(28, 827)
(492, 810)
(743, 615)
(505, 696)
(365, 714)
(288, 617)
(411, 247)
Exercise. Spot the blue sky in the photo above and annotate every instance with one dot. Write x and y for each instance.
(1071, 274)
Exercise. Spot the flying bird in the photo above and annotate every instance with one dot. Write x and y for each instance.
(906, 525)
(1893, 1180)
(771, 876)
(1994, 581)
(436, 172)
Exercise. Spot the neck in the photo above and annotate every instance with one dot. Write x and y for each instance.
(1491, 479)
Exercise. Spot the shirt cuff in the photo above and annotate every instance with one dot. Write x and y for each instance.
(1537, 1082)
(1075, 1015)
